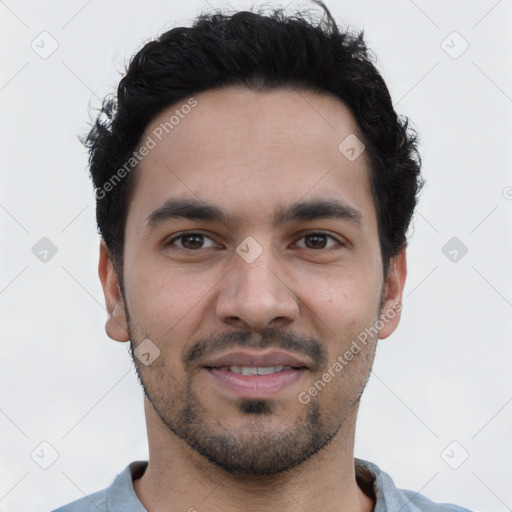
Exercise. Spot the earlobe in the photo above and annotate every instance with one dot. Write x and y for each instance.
(393, 291)
(116, 326)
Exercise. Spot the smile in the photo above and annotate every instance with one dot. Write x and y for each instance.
(253, 370)
(255, 382)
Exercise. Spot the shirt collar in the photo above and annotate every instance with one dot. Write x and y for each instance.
(370, 478)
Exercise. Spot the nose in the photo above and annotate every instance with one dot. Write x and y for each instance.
(256, 295)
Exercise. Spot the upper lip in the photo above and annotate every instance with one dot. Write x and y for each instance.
(260, 359)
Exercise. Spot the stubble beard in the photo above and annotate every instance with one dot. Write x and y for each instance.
(258, 450)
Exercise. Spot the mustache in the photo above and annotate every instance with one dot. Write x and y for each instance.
(269, 337)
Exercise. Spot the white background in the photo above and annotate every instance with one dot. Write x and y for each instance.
(444, 376)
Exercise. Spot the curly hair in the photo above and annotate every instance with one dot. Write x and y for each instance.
(258, 51)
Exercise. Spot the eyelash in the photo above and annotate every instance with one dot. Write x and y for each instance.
(310, 233)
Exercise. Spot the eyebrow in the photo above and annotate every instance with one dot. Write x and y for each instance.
(301, 211)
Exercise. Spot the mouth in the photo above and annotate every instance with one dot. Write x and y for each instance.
(255, 370)
(257, 374)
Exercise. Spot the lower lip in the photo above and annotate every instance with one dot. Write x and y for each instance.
(256, 386)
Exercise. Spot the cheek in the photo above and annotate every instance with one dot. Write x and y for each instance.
(347, 299)
(343, 316)
(165, 295)
(168, 307)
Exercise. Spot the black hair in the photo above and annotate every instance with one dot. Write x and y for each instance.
(259, 51)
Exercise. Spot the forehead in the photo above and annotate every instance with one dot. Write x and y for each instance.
(243, 149)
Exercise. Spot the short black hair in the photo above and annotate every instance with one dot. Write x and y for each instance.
(259, 51)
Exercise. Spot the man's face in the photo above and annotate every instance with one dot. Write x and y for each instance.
(271, 284)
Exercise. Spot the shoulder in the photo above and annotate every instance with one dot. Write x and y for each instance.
(96, 502)
(374, 481)
(423, 504)
(119, 497)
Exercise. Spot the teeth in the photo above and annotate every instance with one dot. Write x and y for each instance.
(253, 370)
(266, 371)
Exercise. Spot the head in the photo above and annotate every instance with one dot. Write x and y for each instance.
(254, 188)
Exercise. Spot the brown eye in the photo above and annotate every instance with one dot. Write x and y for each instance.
(191, 241)
(317, 241)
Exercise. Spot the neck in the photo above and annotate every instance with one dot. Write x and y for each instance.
(178, 478)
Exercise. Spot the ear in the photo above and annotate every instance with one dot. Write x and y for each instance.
(116, 326)
(392, 296)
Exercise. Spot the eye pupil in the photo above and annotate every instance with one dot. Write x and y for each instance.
(316, 239)
(197, 241)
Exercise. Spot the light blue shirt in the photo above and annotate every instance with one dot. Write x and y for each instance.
(120, 496)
